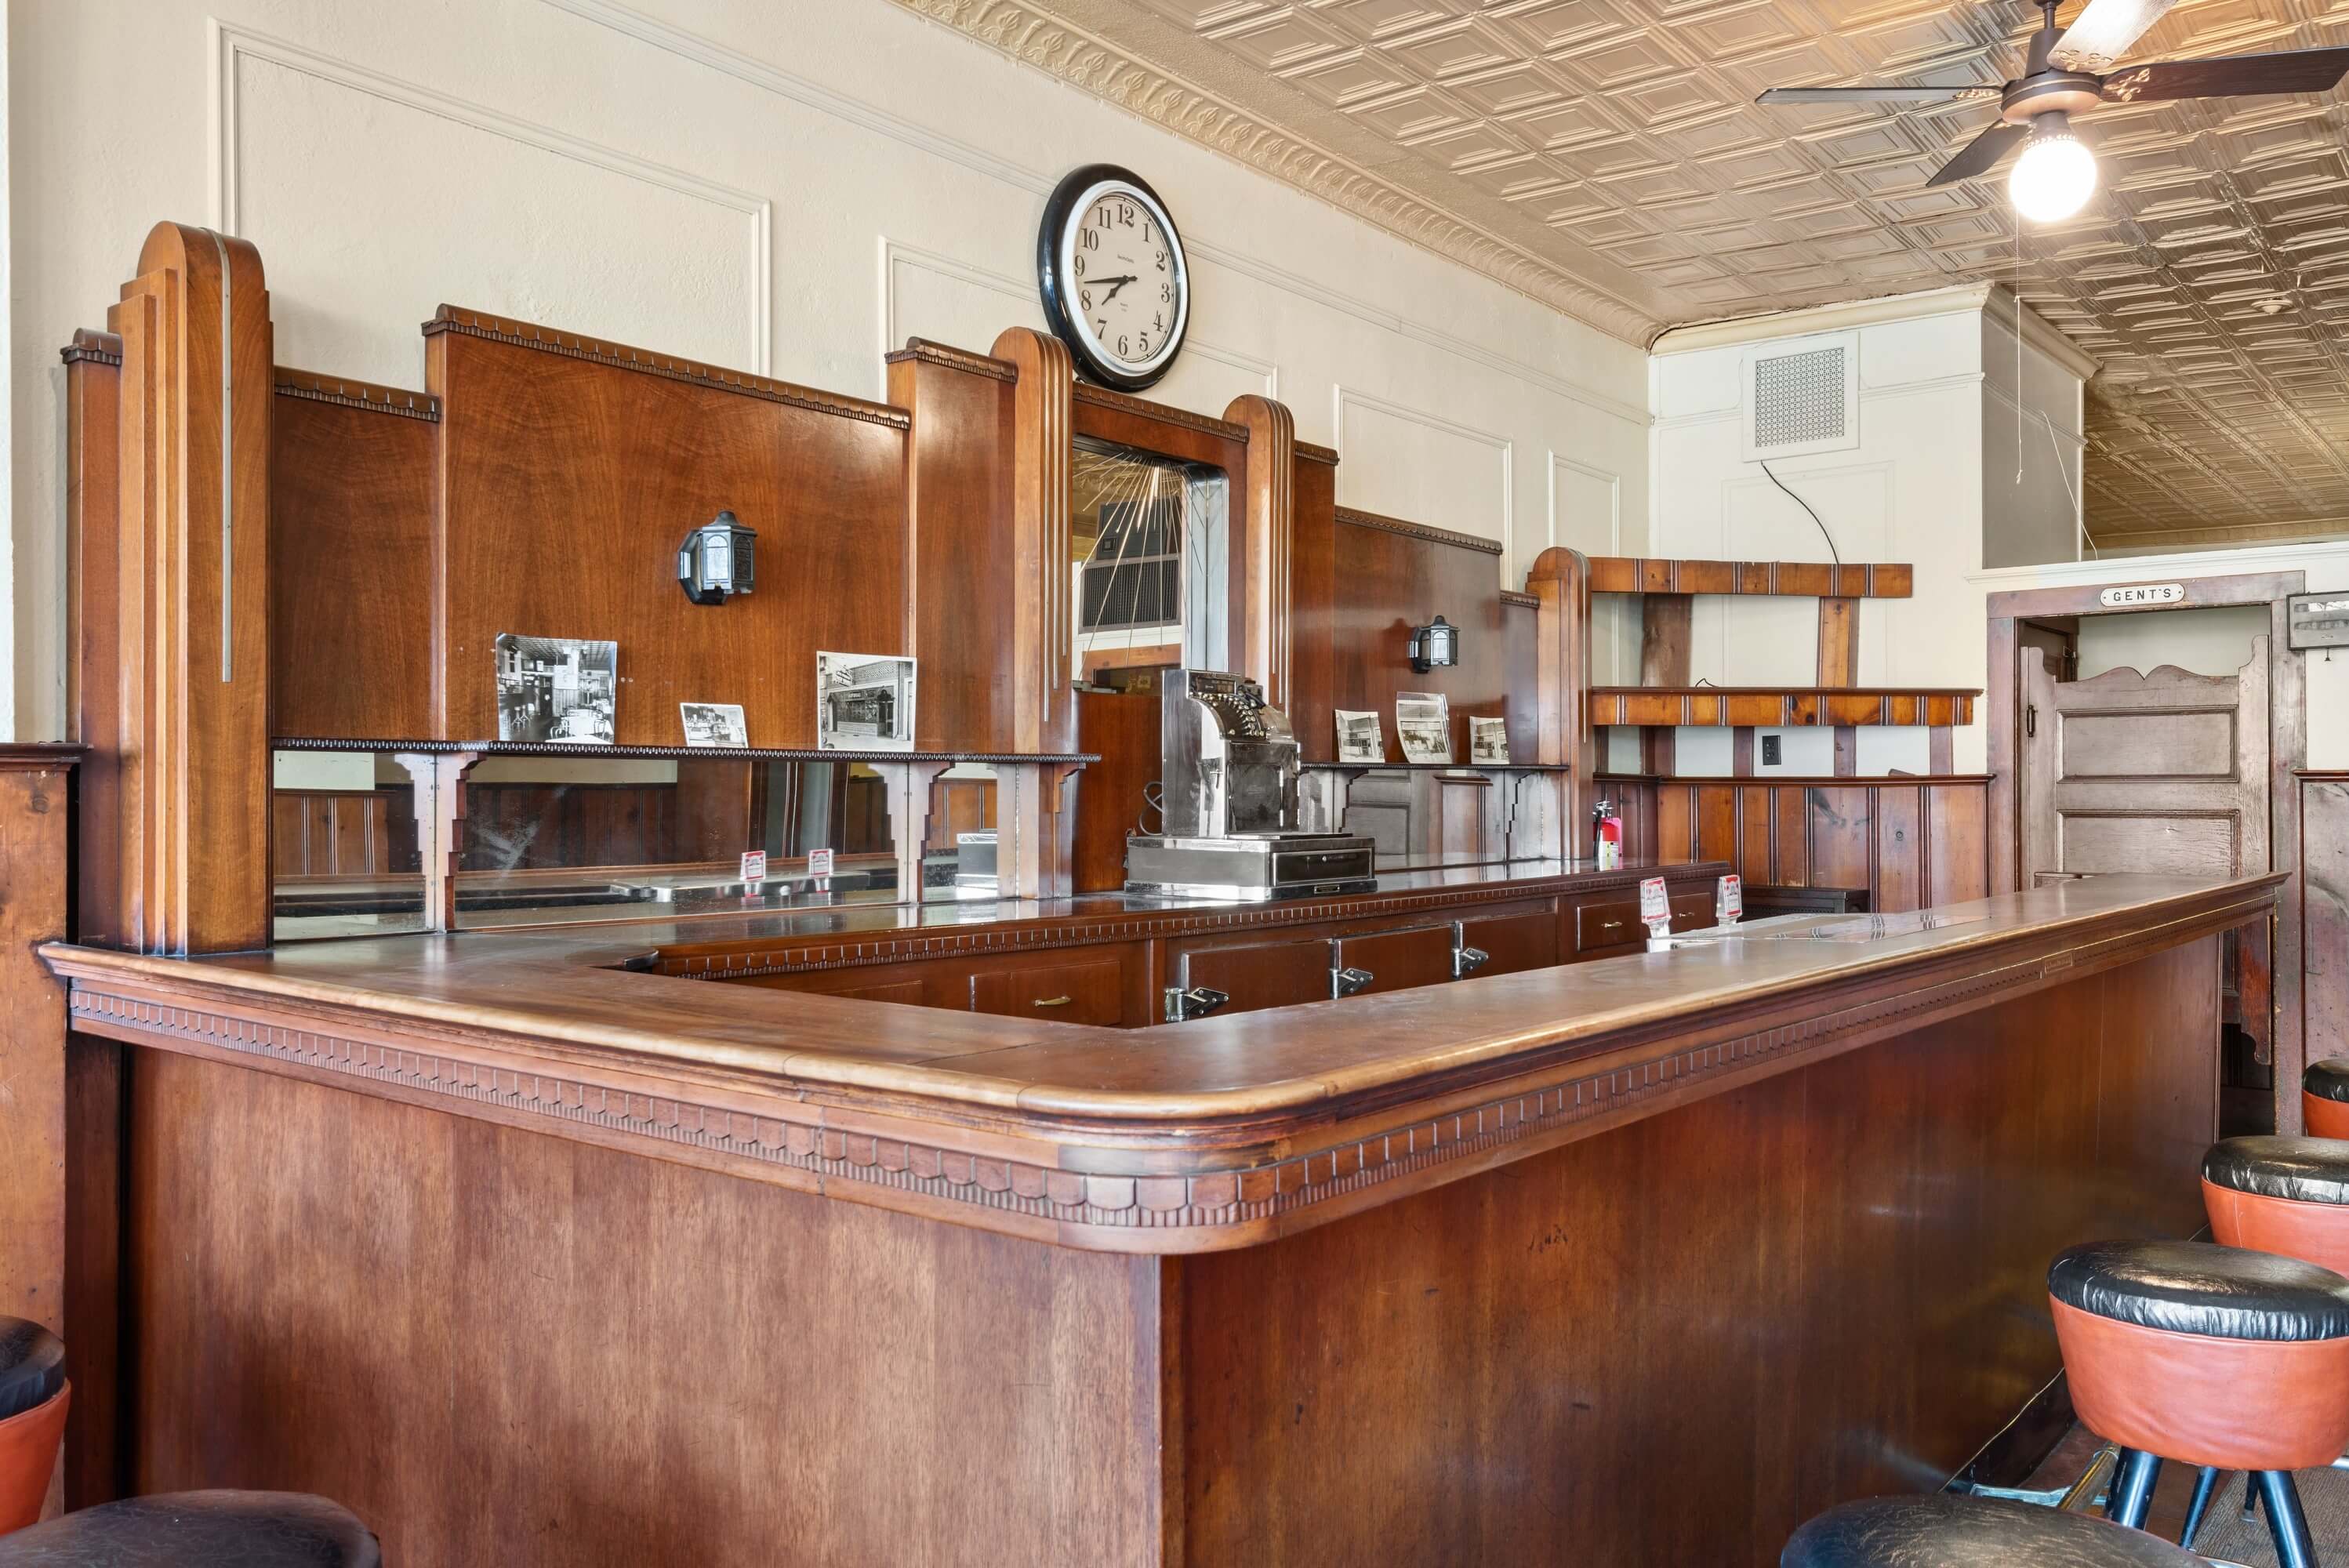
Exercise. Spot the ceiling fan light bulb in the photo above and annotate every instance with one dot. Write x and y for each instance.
(2054, 178)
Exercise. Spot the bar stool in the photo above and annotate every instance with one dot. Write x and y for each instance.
(2215, 1355)
(2325, 1098)
(33, 1401)
(199, 1530)
(1942, 1530)
(2287, 1195)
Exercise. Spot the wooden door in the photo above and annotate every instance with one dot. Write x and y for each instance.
(2165, 772)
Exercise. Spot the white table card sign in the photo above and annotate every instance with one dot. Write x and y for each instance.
(1655, 908)
(2137, 594)
(1423, 724)
(1488, 741)
(1729, 899)
(820, 864)
(754, 867)
(1359, 738)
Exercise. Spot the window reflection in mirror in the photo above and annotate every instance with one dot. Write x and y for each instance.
(343, 845)
(1147, 539)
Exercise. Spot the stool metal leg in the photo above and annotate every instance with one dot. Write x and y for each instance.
(2132, 1492)
(2287, 1526)
(2204, 1484)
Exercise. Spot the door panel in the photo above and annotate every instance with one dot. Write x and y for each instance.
(1513, 942)
(1259, 974)
(1398, 960)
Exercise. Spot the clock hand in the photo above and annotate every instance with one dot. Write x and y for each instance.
(1117, 283)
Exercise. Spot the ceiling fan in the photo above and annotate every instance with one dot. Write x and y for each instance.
(2069, 71)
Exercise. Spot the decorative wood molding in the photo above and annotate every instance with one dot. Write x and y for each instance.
(1310, 453)
(451, 318)
(1417, 531)
(1166, 413)
(679, 753)
(962, 359)
(852, 951)
(1052, 45)
(1101, 1192)
(1268, 542)
(1776, 709)
(1521, 601)
(1801, 579)
(1043, 714)
(361, 394)
(91, 347)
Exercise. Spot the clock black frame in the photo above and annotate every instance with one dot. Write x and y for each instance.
(1058, 209)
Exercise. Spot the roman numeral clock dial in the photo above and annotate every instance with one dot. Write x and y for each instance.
(1116, 287)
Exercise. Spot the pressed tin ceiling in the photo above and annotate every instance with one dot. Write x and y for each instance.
(1606, 156)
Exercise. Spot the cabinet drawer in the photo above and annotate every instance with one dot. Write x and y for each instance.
(1398, 960)
(1513, 942)
(1259, 974)
(1073, 991)
(1599, 927)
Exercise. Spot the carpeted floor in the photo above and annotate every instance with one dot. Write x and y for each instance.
(2324, 1494)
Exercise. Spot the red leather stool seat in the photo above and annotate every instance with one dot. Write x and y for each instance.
(2213, 1354)
(33, 1401)
(2325, 1098)
(2288, 1195)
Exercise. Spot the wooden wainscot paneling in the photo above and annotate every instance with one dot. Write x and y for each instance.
(174, 684)
(350, 534)
(1383, 577)
(1910, 842)
(570, 472)
(959, 489)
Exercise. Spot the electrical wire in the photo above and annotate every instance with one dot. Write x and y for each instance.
(1798, 500)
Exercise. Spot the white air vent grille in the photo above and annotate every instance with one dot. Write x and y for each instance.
(1805, 399)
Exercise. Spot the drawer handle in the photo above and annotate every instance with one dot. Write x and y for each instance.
(1054, 1001)
(1612, 925)
(1347, 981)
(1466, 961)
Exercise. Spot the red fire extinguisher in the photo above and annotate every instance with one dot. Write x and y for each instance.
(1608, 835)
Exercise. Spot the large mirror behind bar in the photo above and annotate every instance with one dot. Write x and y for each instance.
(562, 839)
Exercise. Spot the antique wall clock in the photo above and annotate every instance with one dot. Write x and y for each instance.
(1116, 287)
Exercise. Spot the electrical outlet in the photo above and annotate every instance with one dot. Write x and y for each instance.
(1772, 756)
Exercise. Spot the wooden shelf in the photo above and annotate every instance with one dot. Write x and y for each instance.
(681, 753)
(1762, 706)
(1807, 579)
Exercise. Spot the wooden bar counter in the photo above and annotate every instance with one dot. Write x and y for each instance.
(530, 1253)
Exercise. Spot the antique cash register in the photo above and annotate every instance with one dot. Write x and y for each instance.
(1229, 813)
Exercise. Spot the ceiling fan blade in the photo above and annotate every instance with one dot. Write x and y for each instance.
(1873, 94)
(1981, 155)
(2229, 75)
(2104, 32)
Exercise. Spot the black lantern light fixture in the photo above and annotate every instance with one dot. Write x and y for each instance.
(1433, 645)
(715, 560)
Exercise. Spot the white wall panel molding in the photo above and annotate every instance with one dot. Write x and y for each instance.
(1363, 482)
(758, 73)
(231, 44)
(1560, 465)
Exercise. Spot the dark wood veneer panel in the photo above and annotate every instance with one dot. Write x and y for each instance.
(566, 485)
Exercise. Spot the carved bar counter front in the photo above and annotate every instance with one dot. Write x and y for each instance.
(530, 1252)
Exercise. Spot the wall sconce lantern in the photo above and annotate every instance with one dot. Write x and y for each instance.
(1434, 645)
(716, 560)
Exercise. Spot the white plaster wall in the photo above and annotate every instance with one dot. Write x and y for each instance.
(2031, 507)
(785, 188)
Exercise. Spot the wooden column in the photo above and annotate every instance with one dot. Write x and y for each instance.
(1560, 578)
(1043, 637)
(1838, 642)
(1665, 620)
(182, 696)
(1263, 543)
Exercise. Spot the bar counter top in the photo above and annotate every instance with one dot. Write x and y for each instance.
(1177, 1136)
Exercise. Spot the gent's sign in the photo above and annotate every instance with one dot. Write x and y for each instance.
(2142, 594)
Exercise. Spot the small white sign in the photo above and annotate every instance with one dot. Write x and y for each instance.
(1730, 903)
(754, 865)
(2142, 594)
(819, 862)
(1655, 906)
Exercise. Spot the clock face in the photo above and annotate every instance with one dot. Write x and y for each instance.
(1116, 289)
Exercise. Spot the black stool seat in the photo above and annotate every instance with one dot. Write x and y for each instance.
(2302, 1169)
(1942, 1530)
(2327, 1080)
(199, 1530)
(32, 1366)
(2194, 1288)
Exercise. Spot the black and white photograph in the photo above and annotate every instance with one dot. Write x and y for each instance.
(1423, 724)
(864, 702)
(558, 689)
(1359, 738)
(1488, 740)
(714, 724)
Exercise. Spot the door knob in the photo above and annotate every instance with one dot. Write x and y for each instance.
(1466, 961)
(1347, 981)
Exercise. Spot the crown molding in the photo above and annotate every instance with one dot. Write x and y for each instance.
(1061, 48)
